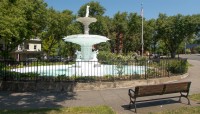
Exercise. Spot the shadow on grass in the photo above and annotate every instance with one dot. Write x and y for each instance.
(33, 100)
(141, 105)
(31, 111)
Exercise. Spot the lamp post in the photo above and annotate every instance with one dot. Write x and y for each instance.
(142, 41)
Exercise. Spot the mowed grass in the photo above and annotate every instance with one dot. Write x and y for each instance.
(70, 110)
(185, 110)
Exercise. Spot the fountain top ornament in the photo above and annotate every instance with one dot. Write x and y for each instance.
(86, 41)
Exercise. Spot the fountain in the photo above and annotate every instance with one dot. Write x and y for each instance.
(86, 41)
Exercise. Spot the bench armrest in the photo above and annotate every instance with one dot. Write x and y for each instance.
(131, 92)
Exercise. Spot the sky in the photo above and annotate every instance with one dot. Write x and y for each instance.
(151, 8)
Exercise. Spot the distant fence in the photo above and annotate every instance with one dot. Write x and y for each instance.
(90, 71)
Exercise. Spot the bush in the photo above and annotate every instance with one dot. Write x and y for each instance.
(178, 66)
(188, 51)
(106, 57)
(197, 49)
(109, 58)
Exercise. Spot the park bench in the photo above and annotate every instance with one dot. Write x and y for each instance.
(160, 89)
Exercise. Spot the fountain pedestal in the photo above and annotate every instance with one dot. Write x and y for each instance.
(86, 41)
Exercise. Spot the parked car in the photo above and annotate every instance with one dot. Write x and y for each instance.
(29, 60)
(56, 59)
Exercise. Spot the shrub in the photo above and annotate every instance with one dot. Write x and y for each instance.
(197, 49)
(188, 51)
(106, 57)
(178, 66)
(109, 58)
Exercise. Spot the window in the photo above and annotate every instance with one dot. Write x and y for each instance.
(27, 46)
(35, 46)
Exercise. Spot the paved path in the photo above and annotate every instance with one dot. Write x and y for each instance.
(116, 98)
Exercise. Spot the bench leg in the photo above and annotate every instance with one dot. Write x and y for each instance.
(135, 106)
(188, 101)
(179, 99)
(134, 103)
(186, 96)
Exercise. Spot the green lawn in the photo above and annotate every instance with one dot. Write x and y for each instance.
(185, 110)
(71, 110)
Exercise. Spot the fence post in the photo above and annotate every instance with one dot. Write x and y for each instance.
(75, 70)
(145, 69)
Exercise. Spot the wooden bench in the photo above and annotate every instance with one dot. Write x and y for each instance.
(161, 89)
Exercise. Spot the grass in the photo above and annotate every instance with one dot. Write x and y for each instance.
(184, 110)
(69, 110)
(195, 97)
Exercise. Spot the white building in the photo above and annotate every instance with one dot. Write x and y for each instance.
(28, 49)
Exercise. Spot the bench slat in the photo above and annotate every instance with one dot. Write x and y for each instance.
(149, 90)
(176, 87)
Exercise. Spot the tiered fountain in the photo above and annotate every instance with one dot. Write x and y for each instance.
(86, 58)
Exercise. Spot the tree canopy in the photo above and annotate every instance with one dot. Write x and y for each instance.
(21, 20)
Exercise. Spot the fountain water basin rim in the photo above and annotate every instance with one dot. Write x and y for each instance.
(85, 39)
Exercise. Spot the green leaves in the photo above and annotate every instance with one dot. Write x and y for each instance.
(20, 20)
(95, 9)
(173, 30)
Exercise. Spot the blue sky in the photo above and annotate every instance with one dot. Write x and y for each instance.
(152, 8)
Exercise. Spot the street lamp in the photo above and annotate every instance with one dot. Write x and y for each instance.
(142, 41)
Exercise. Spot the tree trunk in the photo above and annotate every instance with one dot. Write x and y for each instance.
(119, 42)
(173, 54)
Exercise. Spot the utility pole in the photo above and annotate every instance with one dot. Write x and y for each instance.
(142, 41)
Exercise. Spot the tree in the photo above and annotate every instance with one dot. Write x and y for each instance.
(120, 28)
(56, 29)
(20, 20)
(132, 41)
(150, 39)
(70, 48)
(173, 30)
(95, 9)
(12, 27)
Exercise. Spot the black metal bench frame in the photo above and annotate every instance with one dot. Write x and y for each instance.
(161, 89)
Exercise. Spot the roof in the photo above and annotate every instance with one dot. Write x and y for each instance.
(192, 45)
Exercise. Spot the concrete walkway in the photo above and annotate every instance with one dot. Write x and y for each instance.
(116, 98)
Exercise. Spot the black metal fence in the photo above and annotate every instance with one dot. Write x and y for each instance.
(90, 71)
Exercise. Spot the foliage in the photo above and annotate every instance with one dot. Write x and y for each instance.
(173, 30)
(69, 110)
(9, 75)
(188, 51)
(120, 27)
(120, 69)
(56, 30)
(83, 78)
(108, 78)
(197, 49)
(95, 9)
(20, 20)
(106, 56)
(132, 40)
(178, 66)
(112, 58)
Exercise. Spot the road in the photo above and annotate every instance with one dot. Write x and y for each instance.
(191, 56)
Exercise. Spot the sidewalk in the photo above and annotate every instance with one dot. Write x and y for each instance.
(116, 98)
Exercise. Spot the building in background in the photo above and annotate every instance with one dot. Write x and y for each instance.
(28, 49)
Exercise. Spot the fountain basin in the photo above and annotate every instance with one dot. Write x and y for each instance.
(85, 39)
(86, 70)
